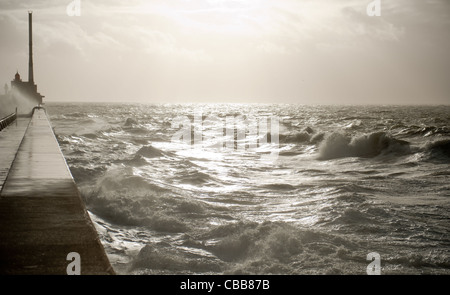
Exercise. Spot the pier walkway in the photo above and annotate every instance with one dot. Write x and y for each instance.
(10, 139)
(42, 216)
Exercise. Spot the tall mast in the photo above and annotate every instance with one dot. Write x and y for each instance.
(30, 38)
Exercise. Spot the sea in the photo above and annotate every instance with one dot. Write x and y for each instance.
(263, 188)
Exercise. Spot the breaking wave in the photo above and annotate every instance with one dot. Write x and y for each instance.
(337, 145)
(132, 200)
(438, 149)
(127, 199)
(247, 248)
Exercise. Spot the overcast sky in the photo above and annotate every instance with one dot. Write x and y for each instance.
(288, 51)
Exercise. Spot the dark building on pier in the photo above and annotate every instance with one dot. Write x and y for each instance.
(25, 90)
(23, 94)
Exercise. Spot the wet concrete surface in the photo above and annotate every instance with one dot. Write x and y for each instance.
(42, 216)
(10, 139)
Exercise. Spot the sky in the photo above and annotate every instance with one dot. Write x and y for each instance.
(238, 51)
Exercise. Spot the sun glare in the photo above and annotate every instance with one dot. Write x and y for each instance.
(222, 16)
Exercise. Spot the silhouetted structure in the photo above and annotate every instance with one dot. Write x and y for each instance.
(24, 93)
(21, 89)
(28, 89)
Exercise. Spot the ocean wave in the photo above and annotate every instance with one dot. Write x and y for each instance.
(243, 240)
(245, 248)
(141, 157)
(358, 118)
(136, 129)
(337, 145)
(317, 138)
(126, 199)
(149, 151)
(306, 136)
(424, 131)
(300, 137)
(62, 139)
(76, 115)
(355, 217)
(136, 161)
(91, 135)
(132, 126)
(135, 209)
(357, 124)
(437, 149)
(278, 186)
(121, 180)
(87, 121)
(130, 122)
(194, 177)
(273, 247)
(82, 173)
(160, 258)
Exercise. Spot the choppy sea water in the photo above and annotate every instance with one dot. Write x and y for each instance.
(347, 181)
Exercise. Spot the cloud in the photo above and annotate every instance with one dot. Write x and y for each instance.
(301, 50)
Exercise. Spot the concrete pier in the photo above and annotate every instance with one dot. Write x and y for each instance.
(42, 216)
(10, 139)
